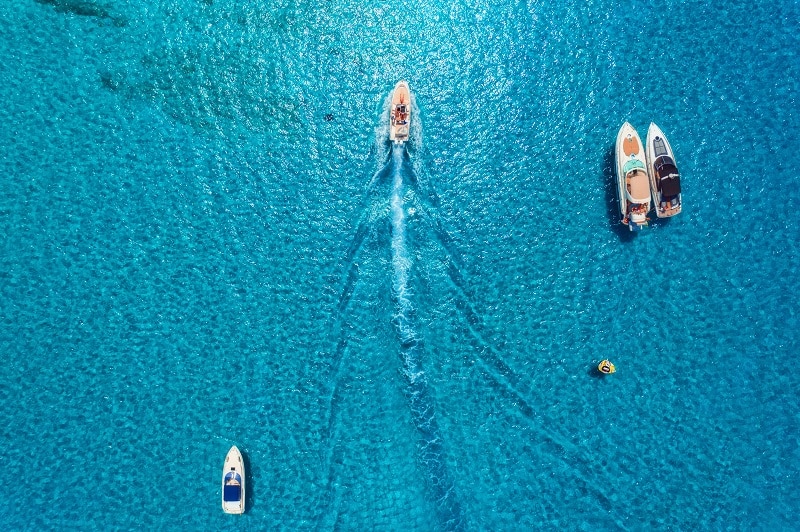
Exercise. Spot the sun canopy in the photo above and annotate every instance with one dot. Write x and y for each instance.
(232, 493)
(667, 178)
(670, 185)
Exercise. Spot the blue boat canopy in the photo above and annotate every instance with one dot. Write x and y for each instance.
(232, 493)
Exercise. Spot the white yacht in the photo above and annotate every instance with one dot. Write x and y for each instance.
(400, 115)
(633, 188)
(665, 181)
(233, 482)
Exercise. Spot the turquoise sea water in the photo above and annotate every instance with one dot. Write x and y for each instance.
(208, 241)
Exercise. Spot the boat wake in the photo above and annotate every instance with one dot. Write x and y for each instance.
(374, 211)
(506, 380)
(411, 350)
(371, 212)
(395, 172)
(401, 174)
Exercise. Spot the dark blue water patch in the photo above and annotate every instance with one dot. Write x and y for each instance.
(81, 8)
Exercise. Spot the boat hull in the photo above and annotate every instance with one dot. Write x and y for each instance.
(660, 162)
(400, 113)
(233, 482)
(633, 190)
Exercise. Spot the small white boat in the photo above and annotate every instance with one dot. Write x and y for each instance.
(633, 188)
(400, 115)
(233, 482)
(665, 181)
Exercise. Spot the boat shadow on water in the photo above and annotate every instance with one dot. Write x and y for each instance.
(656, 222)
(249, 498)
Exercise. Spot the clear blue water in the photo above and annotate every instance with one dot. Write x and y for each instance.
(193, 256)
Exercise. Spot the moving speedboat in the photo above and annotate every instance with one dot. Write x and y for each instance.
(665, 181)
(633, 189)
(233, 482)
(400, 115)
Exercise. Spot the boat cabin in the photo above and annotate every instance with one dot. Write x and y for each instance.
(233, 487)
(668, 180)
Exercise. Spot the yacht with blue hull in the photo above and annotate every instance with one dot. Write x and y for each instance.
(633, 187)
(233, 482)
(665, 181)
(400, 114)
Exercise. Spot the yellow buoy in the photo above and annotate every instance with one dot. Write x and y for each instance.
(606, 367)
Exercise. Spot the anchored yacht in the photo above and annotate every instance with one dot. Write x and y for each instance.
(233, 482)
(665, 181)
(633, 187)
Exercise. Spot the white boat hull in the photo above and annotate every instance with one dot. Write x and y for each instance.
(233, 482)
(633, 188)
(400, 113)
(663, 182)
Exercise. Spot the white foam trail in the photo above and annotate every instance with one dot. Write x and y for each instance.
(421, 403)
(402, 265)
(399, 258)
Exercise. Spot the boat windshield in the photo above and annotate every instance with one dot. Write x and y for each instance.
(659, 147)
(665, 166)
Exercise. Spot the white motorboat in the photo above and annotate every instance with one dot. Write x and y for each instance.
(233, 482)
(633, 188)
(665, 181)
(400, 115)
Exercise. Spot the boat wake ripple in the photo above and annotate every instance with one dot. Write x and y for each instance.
(399, 169)
(411, 349)
(421, 404)
(508, 381)
(373, 210)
